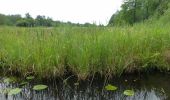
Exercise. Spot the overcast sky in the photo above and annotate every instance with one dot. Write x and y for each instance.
(77, 11)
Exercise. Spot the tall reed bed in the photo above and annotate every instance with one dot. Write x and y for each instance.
(52, 52)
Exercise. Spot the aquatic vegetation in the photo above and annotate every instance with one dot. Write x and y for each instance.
(10, 80)
(30, 77)
(5, 91)
(129, 92)
(39, 87)
(110, 87)
(50, 53)
(15, 91)
(23, 83)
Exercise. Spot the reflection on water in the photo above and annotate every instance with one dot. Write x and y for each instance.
(151, 87)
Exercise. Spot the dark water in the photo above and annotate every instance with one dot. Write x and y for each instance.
(147, 87)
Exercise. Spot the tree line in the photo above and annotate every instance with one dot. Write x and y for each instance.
(134, 11)
(29, 21)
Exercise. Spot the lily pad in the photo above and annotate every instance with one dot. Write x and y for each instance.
(129, 92)
(39, 87)
(23, 83)
(30, 77)
(10, 80)
(15, 91)
(110, 87)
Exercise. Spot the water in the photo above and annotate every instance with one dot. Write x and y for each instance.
(147, 87)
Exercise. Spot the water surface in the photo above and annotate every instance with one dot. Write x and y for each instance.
(147, 87)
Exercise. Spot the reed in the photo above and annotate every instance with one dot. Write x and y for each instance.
(51, 52)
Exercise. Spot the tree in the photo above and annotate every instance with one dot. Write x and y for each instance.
(30, 21)
(134, 11)
(23, 23)
(3, 19)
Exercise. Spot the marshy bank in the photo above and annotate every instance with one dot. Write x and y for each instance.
(85, 63)
(84, 51)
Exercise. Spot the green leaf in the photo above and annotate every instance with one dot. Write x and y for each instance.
(39, 87)
(129, 92)
(30, 77)
(7, 80)
(110, 87)
(10, 80)
(15, 91)
(23, 83)
(155, 55)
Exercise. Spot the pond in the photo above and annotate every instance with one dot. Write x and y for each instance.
(146, 87)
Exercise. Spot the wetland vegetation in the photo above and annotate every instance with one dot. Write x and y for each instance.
(117, 61)
(51, 52)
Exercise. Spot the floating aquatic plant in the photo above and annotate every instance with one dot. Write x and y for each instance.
(30, 77)
(110, 87)
(129, 92)
(39, 87)
(15, 91)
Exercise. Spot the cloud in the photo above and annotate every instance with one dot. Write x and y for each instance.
(78, 11)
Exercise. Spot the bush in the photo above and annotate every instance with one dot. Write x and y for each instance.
(22, 23)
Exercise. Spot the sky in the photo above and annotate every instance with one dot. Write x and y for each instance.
(76, 11)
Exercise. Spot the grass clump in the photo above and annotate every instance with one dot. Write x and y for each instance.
(50, 52)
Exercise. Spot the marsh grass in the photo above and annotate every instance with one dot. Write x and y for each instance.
(51, 52)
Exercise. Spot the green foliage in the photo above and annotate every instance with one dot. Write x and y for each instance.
(5, 91)
(3, 19)
(13, 19)
(133, 11)
(23, 83)
(22, 23)
(30, 77)
(9, 19)
(28, 21)
(110, 87)
(129, 92)
(10, 80)
(15, 91)
(40, 87)
(43, 21)
(50, 52)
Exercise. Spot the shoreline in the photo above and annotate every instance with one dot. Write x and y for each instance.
(50, 53)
